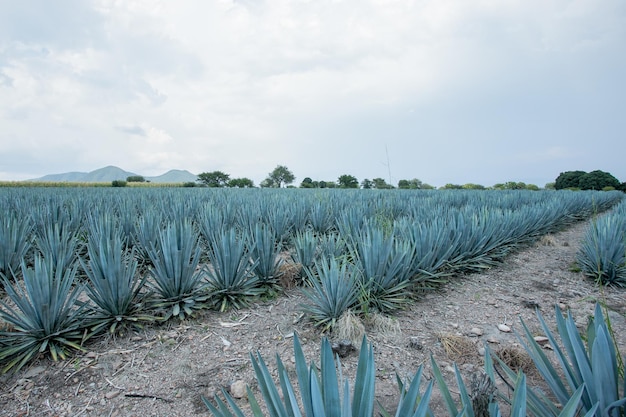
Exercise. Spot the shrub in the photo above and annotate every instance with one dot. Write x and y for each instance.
(118, 183)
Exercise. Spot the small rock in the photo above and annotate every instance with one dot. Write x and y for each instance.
(415, 343)
(476, 331)
(33, 372)
(504, 328)
(493, 339)
(455, 325)
(343, 348)
(91, 355)
(136, 339)
(541, 339)
(238, 389)
(481, 351)
(111, 394)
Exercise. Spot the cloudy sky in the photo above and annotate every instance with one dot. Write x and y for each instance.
(447, 91)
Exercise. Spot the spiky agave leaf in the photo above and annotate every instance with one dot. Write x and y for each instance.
(44, 313)
(231, 279)
(602, 254)
(263, 248)
(384, 263)
(305, 250)
(178, 281)
(590, 367)
(323, 393)
(114, 285)
(332, 291)
(15, 234)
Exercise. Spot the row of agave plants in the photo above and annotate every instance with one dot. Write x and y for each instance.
(588, 382)
(602, 255)
(77, 263)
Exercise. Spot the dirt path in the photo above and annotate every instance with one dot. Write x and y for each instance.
(164, 371)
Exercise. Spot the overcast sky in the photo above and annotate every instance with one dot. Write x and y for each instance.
(446, 91)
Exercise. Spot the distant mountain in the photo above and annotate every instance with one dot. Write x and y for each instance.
(112, 173)
(174, 176)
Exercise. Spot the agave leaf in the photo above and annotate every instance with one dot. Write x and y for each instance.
(518, 408)
(445, 392)
(365, 380)
(329, 382)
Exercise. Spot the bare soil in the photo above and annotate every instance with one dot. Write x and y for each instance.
(166, 370)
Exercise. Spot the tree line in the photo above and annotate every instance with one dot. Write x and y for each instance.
(282, 177)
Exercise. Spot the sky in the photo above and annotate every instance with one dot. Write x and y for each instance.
(445, 91)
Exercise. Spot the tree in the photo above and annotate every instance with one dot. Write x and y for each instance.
(348, 181)
(214, 179)
(471, 186)
(568, 179)
(308, 183)
(381, 184)
(366, 184)
(279, 177)
(414, 184)
(597, 180)
(241, 183)
(135, 178)
(450, 186)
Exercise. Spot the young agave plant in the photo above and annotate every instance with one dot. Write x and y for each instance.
(333, 291)
(231, 279)
(305, 250)
(262, 246)
(178, 281)
(58, 242)
(114, 285)
(479, 399)
(385, 266)
(44, 312)
(593, 369)
(602, 255)
(14, 241)
(323, 393)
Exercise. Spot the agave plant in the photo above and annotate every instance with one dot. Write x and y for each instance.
(333, 291)
(385, 266)
(114, 285)
(59, 243)
(480, 398)
(231, 279)
(177, 279)
(14, 241)
(44, 313)
(320, 218)
(322, 393)
(602, 255)
(263, 247)
(305, 250)
(332, 245)
(592, 369)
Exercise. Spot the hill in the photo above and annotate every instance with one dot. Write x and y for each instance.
(111, 173)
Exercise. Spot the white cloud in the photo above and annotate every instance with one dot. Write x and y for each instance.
(495, 88)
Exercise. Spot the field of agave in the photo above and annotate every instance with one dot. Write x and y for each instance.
(78, 262)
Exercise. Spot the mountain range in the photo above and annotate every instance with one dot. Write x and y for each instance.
(112, 173)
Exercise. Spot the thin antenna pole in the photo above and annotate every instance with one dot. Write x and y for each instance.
(388, 164)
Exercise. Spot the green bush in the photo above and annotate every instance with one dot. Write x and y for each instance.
(118, 183)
